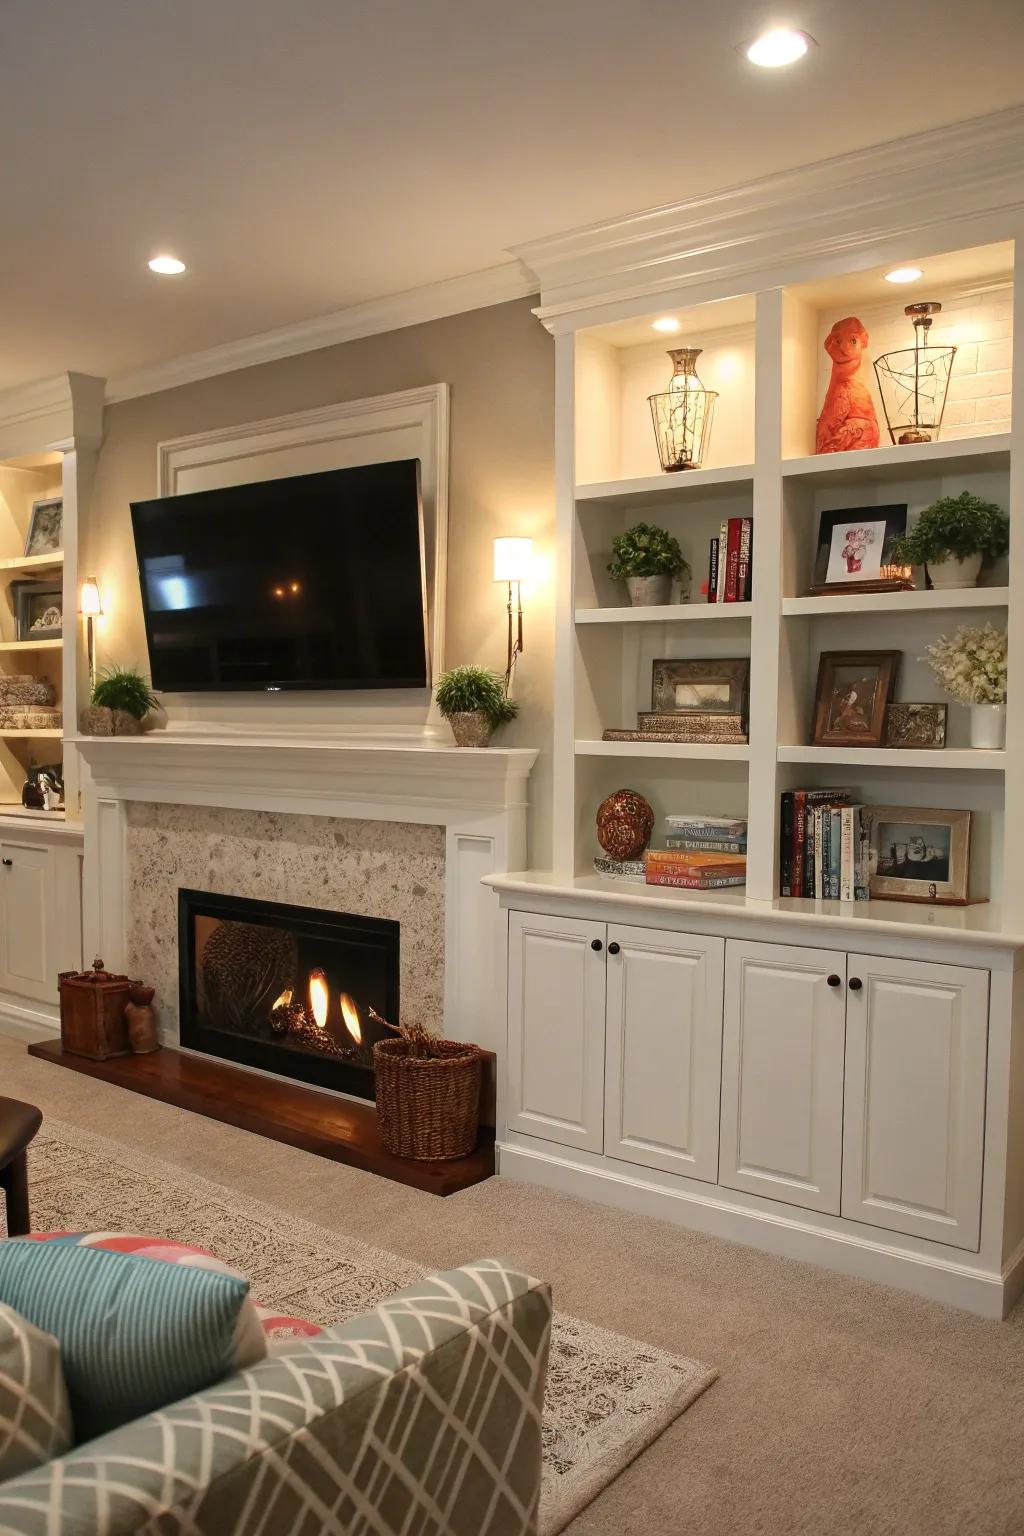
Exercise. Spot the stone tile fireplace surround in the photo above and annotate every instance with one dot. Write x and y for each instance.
(402, 827)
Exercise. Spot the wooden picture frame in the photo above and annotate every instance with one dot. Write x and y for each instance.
(682, 686)
(920, 727)
(853, 693)
(901, 837)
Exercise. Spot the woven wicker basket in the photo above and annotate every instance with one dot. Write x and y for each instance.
(428, 1107)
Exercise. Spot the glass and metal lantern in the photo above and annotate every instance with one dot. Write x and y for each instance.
(913, 382)
(682, 415)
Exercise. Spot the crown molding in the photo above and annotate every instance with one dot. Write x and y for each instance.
(62, 412)
(843, 208)
(435, 301)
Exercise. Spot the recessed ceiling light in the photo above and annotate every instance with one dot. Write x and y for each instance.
(666, 323)
(779, 46)
(904, 275)
(167, 266)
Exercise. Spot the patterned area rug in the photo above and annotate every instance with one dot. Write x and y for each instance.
(607, 1396)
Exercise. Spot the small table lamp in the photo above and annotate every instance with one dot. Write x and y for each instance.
(512, 562)
(91, 607)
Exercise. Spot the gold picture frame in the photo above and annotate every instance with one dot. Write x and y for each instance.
(918, 854)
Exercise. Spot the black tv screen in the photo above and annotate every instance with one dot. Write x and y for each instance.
(315, 581)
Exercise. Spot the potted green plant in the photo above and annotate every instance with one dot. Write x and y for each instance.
(646, 558)
(473, 701)
(952, 537)
(121, 700)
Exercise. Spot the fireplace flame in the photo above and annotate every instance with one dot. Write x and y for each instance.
(284, 999)
(350, 1014)
(319, 997)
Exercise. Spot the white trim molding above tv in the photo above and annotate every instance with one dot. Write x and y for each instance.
(412, 424)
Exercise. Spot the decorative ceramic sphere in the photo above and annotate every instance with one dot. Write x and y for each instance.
(625, 822)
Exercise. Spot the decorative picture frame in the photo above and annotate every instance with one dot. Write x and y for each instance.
(918, 854)
(921, 726)
(34, 600)
(46, 527)
(853, 552)
(715, 686)
(853, 693)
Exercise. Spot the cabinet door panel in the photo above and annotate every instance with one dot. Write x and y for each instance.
(556, 997)
(663, 1078)
(782, 1073)
(27, 913)
(916, 1047)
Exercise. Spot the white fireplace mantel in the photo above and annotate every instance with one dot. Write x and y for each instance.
(479, 797)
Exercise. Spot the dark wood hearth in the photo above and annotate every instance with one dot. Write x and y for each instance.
(336, 1128)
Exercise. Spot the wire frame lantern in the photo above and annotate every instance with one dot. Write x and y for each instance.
(913, 382)
(682, 415)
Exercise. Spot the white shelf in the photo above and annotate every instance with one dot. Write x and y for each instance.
(53, 734)
(992, 452)
(973, 758)
(649, 490)
(671, 750)
(33, 565)
(31, 645)
(896, 602)
(667, 613)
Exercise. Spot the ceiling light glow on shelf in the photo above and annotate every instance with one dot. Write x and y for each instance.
(904, 275)
(167, 266)
(777, 47)
(665, 323)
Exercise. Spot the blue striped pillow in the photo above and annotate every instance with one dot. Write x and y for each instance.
(134, 1335)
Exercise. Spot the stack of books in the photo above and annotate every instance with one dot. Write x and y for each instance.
(730, 562)
(823, 845)
(701, 853)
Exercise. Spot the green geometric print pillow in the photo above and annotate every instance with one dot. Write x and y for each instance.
(134, 1335)
(35, 1420)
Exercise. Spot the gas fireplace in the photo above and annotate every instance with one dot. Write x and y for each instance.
(294, 990)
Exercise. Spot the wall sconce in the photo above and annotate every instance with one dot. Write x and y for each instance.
(512, 562)
(90, 606)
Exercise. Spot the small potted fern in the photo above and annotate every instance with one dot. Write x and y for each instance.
(473, 701)
(647, 558)
(121, 700)
(952, 538)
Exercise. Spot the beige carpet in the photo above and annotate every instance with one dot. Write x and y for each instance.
(607, 1396)
(843, 1408)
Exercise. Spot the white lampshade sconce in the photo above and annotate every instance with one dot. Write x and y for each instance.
(513, 561)
(90, 606)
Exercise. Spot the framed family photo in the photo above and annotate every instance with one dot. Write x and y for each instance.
(919, 854)
(854, 691)
(854, 551)
(46, 527)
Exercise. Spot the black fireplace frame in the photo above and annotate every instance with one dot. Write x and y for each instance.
(305, 922)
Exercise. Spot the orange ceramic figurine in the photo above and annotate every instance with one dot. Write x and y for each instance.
(848, 417)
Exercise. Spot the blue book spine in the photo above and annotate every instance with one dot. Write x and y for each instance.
(835, 853)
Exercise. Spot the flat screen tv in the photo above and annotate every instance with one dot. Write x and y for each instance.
(314, 581)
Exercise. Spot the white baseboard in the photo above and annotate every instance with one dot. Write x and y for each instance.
(24, 1020)
(934, 1277)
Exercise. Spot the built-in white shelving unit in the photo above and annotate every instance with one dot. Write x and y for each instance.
(763, 352)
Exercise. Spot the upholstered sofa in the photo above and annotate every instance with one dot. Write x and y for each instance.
(421, 1416)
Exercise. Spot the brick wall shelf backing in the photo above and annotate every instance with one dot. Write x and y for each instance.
(341, 1130)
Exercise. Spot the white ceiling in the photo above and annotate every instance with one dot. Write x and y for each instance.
(305, 155)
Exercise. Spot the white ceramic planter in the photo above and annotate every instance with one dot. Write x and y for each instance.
(950, 574)
(988, 725)
(649, 591)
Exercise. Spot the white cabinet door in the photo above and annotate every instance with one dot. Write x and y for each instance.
(916, 1044)
(26, 921)
(664, 1070)
(556, 987)
(782, 1073)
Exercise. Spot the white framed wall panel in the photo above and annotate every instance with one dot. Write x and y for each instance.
(914, 1121)
(782, 1073)
(664, 1050)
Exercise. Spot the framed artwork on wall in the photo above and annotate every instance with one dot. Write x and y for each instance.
(853, 694)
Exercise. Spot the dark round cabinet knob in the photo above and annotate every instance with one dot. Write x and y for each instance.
(596, 944)
(855, 983)
(7, 863)
(834, 981)
(613, 949)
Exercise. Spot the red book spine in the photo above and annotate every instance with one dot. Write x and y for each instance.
(732, 559)
(743, 562)
(799, 839)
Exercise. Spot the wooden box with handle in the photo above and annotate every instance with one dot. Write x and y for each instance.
(92, 1013)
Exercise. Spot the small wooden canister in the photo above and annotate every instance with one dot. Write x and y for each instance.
(92, 1016)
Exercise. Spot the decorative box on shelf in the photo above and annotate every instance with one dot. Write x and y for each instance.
(92, 1013)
